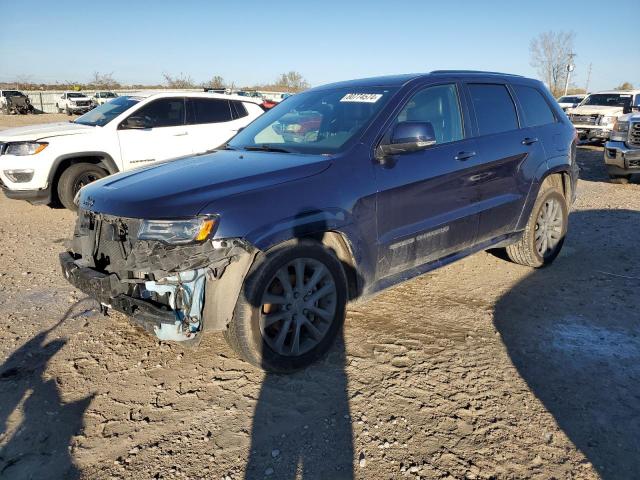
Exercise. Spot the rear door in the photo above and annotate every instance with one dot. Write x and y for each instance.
(426, 199)
(213, 121)
(503, 148)
(164, 137)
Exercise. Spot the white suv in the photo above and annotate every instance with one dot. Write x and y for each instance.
(45, 163)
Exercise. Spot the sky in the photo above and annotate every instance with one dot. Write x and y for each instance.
(252, 42)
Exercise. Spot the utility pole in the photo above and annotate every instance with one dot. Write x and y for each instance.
(586, 88)
(570, 68)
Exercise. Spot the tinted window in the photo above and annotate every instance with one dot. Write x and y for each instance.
(239, 110)
(439, 106)
(536, 109)
(494, 108)
(164, 112)
(209, 110)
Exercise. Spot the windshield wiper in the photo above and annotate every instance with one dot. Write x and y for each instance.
(266, 148)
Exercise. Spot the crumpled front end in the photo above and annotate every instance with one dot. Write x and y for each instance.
(162, 287)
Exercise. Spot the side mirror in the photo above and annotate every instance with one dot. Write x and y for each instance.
(627, 109)
(133, 123)
(409, 137)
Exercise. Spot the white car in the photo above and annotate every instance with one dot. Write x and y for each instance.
(73, 102)
(46, 163)
(571, 101)
(595, 117)
(99, 98)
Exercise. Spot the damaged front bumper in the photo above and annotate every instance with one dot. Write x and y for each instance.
(166, 289)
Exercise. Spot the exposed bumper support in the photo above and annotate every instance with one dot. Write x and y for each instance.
(620, 159)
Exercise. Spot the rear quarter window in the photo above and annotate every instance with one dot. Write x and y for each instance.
(535, 108)
(494, 108)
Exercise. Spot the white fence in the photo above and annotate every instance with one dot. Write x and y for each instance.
(45, 100)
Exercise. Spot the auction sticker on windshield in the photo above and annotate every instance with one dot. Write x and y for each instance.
(361, 97)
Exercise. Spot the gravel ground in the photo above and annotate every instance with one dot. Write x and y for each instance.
(483, 369)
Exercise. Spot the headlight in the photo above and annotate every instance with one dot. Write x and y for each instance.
(177, 232)
(607, 120)
(620, 131)
(25, 148)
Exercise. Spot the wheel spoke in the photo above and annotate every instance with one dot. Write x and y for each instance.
(272, 318)
(299, 267)
(322, 313)
(317, 334)
(318, 274)
(282, 335)
(295, 343)
(274, 299)
(286, 283)
(328, 288)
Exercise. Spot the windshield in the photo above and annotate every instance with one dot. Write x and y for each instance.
(106, 112)
(107, 95)
(314, 122)
(13, 93)
(75, 95)
(609, 99)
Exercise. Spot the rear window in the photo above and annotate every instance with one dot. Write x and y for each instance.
(239, 110)
(495, 111)
(209, 110)
(536, 109)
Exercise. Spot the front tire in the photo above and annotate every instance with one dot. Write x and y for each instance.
(68, 112)
(545, 231)
(74, 178)
(291, 307)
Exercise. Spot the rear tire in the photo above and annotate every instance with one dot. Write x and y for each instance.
(310, 311)
(58, 108)
(74, 178)
(620, 179)
(545, 231)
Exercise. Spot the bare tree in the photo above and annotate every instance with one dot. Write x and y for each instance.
(549, 55)
(625, 86)
(180, 81)
(292, 81)
(103, 80)
(216, 82)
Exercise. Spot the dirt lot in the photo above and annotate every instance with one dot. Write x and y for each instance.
(483, 369)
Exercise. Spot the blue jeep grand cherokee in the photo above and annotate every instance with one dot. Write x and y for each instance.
(332, 196)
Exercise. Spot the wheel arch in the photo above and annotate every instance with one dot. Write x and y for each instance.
(103, 159)
(559, 175)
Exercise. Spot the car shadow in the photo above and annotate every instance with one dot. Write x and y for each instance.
(38, 447)
(573, 332)
(302, 424)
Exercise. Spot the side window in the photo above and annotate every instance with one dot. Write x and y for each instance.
(209, 110)
(439, 106)
(536, 109)
(494, 108)
(164, 112)
(239, 110)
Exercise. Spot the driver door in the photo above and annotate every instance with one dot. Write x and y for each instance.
(427, 201)
(154, 132)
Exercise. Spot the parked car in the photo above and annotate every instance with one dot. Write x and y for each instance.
(14, 101)
(73, 103)
(622, 151)
(50, 163)
(99, 98)
(571, 101)
(595, 116)
(269, 237)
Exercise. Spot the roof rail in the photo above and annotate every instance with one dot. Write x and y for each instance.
(475, 71)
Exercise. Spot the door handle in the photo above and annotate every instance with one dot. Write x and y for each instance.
(181, 134)
(529, 140)
(462, 156)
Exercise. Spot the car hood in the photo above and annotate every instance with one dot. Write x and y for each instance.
(630, 117)
(596, 110)
(39, 132)
(182, 188)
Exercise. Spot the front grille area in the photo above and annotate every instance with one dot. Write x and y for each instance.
(584, 119)
(83, 104)
(634, 134)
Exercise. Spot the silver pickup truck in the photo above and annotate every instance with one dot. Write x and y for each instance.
(622, 151)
